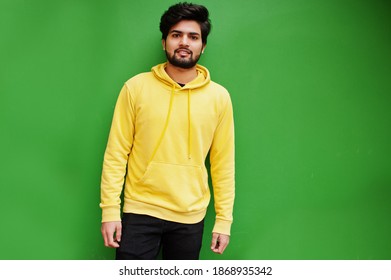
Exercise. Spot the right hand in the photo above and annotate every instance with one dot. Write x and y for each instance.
(111, 232)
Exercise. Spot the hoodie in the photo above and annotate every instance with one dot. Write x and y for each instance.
(160, 137)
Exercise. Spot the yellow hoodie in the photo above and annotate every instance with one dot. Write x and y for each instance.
(160, 136)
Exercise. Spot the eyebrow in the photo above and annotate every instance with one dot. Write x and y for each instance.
(181, 32)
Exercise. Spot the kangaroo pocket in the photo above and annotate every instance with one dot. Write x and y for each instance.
(180, 188)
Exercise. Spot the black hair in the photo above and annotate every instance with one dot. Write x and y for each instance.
(186, 11)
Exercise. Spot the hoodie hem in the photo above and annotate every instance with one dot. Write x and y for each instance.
(137, 207)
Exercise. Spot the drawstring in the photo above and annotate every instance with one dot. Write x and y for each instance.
(166, 124)
(168, 120)
(188, 125)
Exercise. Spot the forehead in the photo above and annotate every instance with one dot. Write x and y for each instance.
(187, 26)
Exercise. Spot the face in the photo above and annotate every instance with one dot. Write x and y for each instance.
(183, 45)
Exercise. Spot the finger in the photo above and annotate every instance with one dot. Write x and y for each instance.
(118, 233)
(214, 244)
(104, 235)
(111, 242)
(223, 245)
(108, 237)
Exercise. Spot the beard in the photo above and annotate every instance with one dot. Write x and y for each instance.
(180, 62)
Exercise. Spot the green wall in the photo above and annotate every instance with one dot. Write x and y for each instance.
(311, 88)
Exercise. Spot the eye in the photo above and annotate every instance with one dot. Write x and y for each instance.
(175, 35)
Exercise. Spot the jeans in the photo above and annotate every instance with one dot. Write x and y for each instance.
(143, 236)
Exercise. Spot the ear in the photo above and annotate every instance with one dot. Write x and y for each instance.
(164, 44)
(203, 48)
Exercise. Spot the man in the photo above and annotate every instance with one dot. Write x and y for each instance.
(165, 123)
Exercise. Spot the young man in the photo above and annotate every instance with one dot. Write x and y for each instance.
(165, 123)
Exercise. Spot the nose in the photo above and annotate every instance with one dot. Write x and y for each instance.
(184, 41)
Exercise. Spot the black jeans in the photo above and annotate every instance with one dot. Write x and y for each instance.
(143, 236)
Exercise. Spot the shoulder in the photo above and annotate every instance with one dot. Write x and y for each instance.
(219, 88)
(219, 92)
(139, 79)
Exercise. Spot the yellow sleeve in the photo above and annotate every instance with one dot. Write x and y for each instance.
(116, 156)
(222, 160)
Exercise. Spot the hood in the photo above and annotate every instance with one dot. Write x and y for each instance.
(203, 77)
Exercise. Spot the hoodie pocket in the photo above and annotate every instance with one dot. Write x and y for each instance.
(180, 188)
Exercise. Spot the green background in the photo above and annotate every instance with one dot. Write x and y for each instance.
(311, 89)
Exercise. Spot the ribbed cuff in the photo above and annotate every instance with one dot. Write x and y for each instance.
(222, 226)
(111, 214)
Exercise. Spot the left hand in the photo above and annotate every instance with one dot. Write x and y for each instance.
(219, 242)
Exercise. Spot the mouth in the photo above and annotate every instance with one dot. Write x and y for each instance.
(183, 52)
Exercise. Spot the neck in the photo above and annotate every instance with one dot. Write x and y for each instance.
(181, 75)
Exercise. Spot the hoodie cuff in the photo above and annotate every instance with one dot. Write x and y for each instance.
(111, 214)
(222, 227)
